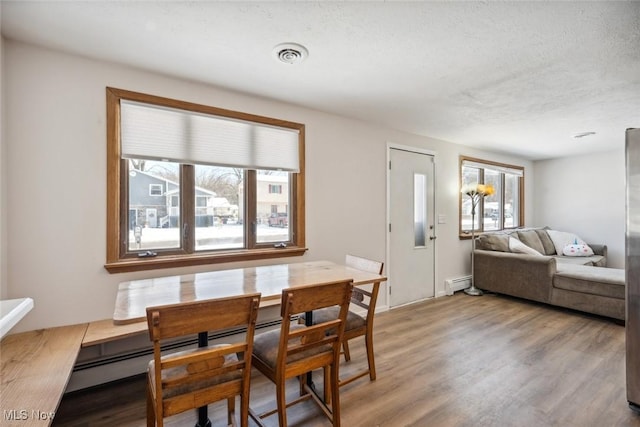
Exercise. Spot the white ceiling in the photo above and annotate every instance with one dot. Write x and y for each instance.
(518, 77)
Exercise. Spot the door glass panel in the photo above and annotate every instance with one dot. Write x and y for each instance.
(154, 220)
(272, 210)
(419, 209)
(217, 208)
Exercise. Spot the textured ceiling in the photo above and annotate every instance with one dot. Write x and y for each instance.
(518, 77)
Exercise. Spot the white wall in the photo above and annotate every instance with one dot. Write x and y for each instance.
(56, 181)
(3, 183)
(585, 195)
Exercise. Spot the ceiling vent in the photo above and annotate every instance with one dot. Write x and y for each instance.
(290, 53)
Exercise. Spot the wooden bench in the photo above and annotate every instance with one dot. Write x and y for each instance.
(102, 331)
(36, 367)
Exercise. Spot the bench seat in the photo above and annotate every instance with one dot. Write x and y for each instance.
(36, 367)
(102, 331)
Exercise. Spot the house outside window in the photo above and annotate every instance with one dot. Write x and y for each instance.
(502, 210)
(211, 205)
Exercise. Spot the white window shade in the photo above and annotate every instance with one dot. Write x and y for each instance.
(498, 168)
(158, 133)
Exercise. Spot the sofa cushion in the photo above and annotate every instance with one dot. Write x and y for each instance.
(493, 242)
(597, 260)
(518, 247)
(531, 239)
(547, 243)
(607, 282)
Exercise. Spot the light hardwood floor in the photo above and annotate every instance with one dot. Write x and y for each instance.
(452, 361)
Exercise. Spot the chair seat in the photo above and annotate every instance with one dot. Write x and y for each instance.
(265, 347)
(354, 321)
(182, 372)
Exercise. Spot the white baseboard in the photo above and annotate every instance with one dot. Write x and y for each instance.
(457, 284)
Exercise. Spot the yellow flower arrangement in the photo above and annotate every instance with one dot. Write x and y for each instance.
(479, 190)
(476, 192)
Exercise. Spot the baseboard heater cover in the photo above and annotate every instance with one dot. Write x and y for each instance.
(457, 284)
(117, 366)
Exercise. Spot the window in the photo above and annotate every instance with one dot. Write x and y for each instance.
(277, 189)
(155, 189)
(189, 184)
(499, 211)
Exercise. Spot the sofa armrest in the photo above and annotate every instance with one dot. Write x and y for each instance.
(598, 249)
(519, 275)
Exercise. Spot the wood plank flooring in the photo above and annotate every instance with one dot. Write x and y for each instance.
(452, 361)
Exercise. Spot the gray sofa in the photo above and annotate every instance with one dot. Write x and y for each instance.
(581, 283)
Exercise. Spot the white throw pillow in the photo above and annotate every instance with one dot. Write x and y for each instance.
(517, 246)
(577, 250)
(562, 239)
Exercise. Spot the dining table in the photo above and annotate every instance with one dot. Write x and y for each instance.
(133, 297)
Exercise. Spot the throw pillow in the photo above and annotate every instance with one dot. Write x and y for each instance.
(518, 247)
(547, 243)
(562, 239)
(493, 242)
(531, 239)
(576, 249)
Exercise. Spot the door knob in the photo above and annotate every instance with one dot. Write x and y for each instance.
(432, 237)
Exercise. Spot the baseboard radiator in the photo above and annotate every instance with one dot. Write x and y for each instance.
(112, 364)
(457, 284)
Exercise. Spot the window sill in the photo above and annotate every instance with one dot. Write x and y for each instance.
(137, 264)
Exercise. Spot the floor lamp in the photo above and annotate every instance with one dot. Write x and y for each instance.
(475, 192)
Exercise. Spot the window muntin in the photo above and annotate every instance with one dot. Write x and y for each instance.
(190, 211)
(503, 209)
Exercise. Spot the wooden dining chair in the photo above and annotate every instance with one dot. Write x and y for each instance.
(358, 325)
(295, 350)
(197, 377)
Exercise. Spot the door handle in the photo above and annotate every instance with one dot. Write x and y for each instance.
(432, 237)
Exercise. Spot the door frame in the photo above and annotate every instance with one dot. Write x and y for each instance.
(411, 149)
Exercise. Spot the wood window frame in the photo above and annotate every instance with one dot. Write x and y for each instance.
(119, 259)
(467, 235)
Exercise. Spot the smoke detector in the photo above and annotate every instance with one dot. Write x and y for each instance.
(290, 53)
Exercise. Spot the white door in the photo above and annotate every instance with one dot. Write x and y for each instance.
(411, 252)
(152, 217)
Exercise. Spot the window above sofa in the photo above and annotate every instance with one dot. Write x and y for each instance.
(502, 210)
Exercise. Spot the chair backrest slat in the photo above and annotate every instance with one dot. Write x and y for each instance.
(364, 264)
(307, 298)
(182, 319)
